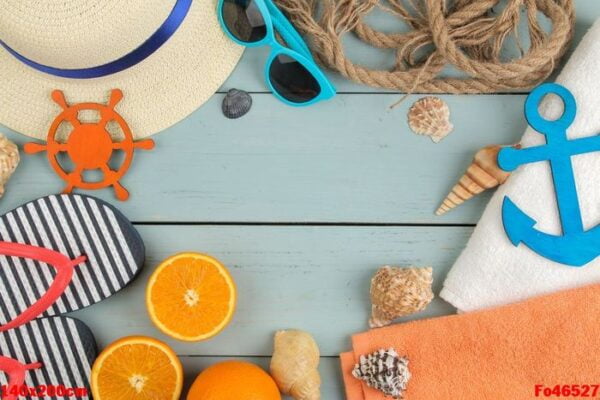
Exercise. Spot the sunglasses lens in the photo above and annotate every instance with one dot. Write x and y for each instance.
(292, 80)
(244, 20)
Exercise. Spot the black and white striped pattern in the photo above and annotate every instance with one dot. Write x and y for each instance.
(73, 225)
(385, 371)
(65, 346)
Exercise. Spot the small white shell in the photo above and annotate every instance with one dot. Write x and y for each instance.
(430, 116)
(9, 160)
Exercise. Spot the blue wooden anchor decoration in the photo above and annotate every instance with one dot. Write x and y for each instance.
(576, 246)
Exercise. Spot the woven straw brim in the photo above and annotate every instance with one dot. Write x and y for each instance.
(158, 92)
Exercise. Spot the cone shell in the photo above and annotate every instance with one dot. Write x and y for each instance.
(483, 173)
(9, 160)
(430, 116)
(396, 292)
(294, 365)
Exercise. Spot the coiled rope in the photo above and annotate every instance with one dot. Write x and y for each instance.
(469, 35)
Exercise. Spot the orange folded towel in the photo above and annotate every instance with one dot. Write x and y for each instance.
(495, 354)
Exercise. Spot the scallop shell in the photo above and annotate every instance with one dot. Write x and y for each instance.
(430, 116)
(9, 160)
(236, 103)
(483, 173)
(396, 292)
(385, 371)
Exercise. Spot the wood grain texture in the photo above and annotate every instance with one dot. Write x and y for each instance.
(348, 160)
(311, 278)
(283, 164)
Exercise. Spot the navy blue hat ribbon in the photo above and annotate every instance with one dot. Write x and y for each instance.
(153, 43)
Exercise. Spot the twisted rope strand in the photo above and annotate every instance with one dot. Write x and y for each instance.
(469, 36)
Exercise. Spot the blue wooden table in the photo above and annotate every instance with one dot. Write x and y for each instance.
(302, 204)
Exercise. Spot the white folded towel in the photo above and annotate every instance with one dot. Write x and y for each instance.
(491, 271)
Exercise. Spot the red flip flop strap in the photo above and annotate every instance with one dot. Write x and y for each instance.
(16, 374)
(64, 273)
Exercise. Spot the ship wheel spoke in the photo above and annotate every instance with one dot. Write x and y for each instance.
(74, 179)
(56, 147)
(71, 115)
(146, 144)
(108, 172)
(73, 120)
(111, 176)
(105, 118)
(119, 145)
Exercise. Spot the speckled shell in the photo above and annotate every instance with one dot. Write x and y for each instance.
(294, 365)
(385, 371)
(9, 160)
(236, 103)
(396, 292)
(430, 116)
(483, 173)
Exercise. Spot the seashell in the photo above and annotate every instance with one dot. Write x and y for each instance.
(430, 116)
(294, 365)
(483, 173)
(236, 103)
(385, 371)
(396, 292)
(9, 160)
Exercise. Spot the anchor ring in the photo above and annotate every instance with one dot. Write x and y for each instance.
(546, 126)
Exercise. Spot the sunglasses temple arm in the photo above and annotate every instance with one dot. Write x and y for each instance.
(287, 31)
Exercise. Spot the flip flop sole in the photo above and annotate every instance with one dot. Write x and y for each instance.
(73, 225)
(66, 348)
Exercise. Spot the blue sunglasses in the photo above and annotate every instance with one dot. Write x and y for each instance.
(291, 73)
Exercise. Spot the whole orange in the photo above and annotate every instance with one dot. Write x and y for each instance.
(234, 380)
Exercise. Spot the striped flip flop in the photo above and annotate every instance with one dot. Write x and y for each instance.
(47, 358)
(61, 253)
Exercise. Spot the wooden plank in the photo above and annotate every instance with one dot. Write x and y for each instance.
(311, 278)
(249, 73)
(349, 160)
(288, 165)
(332, 387)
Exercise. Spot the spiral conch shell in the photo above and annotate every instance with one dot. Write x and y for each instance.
(483, 173)
(396, 292)
(9, 160)
(294, 365)
(385, 371)
(430, 116)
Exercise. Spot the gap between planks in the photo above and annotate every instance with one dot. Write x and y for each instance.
(239, 356)
(309, 223)
(403, 93)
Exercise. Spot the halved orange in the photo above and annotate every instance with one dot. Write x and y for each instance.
(191, 297)
(137, 367)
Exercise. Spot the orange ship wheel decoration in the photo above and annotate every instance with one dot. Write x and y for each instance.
(89, 145)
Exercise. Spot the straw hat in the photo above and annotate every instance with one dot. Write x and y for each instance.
(159, 89)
